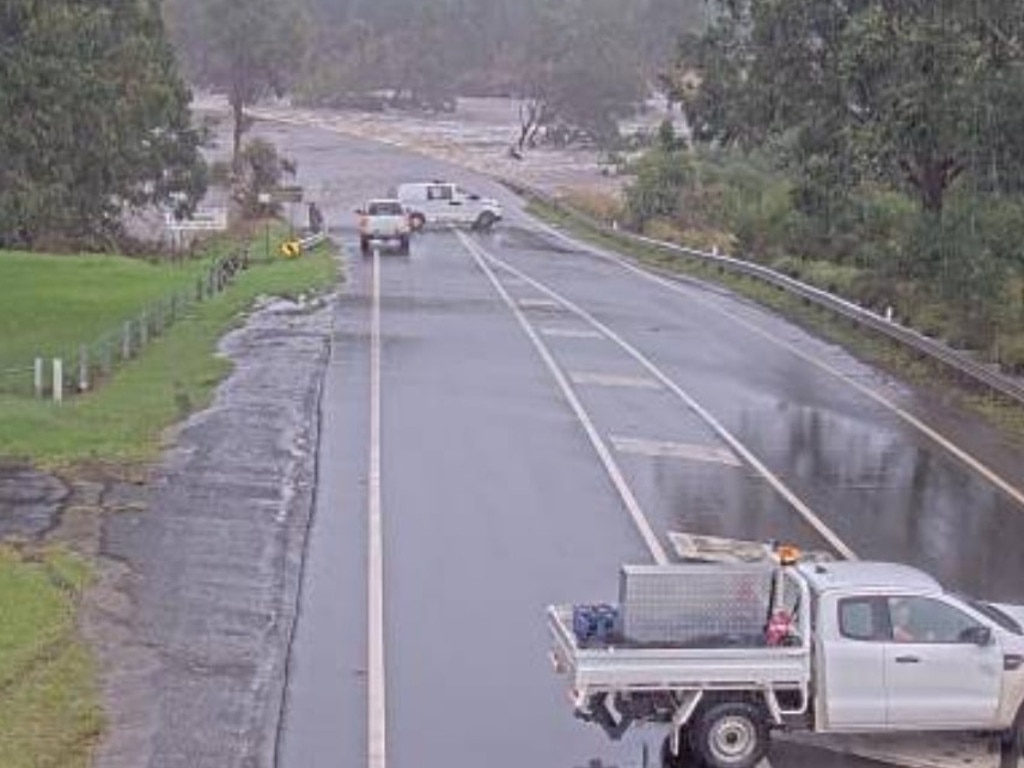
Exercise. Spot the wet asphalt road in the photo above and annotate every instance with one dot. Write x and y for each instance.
(494, 501)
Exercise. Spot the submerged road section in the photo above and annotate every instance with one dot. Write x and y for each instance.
(508, 417)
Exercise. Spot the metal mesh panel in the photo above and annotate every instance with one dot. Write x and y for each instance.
(695, 604)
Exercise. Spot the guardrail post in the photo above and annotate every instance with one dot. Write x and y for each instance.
(39, 377)
(83, 368)
(888, 314)
(58, 380)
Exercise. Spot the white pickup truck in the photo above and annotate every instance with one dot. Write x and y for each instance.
(383, 221)
(727, 653)
(442, 203)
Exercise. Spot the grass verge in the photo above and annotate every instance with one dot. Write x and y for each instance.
(868, 346)
(121, 422)
(49, 717)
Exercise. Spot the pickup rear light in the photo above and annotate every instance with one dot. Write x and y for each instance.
(1012, 662)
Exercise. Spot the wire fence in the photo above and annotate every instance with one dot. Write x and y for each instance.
(70, 369)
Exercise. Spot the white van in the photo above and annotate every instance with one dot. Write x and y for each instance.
(442, 203)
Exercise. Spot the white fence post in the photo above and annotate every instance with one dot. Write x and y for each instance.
(83, 368)
(39, 377)
(58, 380)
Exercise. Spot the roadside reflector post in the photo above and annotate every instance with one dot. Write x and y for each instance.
(126, 341)
(38, 381)
(83, 368)
(58, 380)
(143, 331)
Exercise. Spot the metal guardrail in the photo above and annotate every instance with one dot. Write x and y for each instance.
(982, 373)
(312, 241)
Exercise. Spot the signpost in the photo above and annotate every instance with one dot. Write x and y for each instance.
(290, 195)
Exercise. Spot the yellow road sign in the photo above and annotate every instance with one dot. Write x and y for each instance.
(291, 249)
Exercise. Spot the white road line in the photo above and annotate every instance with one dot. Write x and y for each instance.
(538, 304)
(739, 448)
(585, 378)
(611, 467)
(569, 333)
(376, 695)
(664, 449)
(932, 434)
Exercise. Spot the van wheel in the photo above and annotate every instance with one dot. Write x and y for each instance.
(484, 222)
(686, 758)
(417, 221)
(731, 735)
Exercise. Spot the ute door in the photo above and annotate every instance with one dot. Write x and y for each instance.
(940, 671)
(439, 199)
(851, 664)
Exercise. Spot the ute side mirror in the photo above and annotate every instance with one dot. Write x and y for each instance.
(979, 636)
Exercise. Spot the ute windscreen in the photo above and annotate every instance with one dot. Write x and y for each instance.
(385, 209)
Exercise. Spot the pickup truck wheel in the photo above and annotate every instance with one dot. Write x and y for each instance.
(484, 222)
(364, 245)
(731, 735)
(417, 222)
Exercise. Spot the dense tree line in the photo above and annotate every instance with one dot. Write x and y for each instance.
(96, 121)
(883, 136)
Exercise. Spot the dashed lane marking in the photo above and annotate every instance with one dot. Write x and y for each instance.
(604, 454)
(569, 333)
(538, 304)
(748, 457)
(613, 380)
(663, 449)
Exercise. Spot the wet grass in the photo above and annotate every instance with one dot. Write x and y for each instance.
(122, 421)
(865, 344)
(49, 715)
(53, 303)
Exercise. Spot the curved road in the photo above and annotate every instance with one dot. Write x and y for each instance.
(546, 414)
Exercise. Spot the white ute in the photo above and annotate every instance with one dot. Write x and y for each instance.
(383, 221)
(725, 653)
(442, 203)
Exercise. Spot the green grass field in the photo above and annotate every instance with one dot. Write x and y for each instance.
(49, 716)
(52, 303)
(49, 711)
(123, 419)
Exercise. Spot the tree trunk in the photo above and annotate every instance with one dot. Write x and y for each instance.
(932, 177)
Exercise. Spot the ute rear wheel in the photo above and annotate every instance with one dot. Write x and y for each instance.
(731, 735)
(364, 245)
